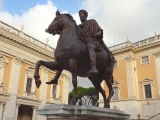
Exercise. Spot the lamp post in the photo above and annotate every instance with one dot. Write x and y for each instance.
(138, 116)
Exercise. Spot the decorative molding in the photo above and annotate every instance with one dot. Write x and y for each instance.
(2, 102)
(129, 58)
(3, 60)
(30, 70)
(157, 54)
(34, 107)
(18, 105)
(18, 60)
(45, 70)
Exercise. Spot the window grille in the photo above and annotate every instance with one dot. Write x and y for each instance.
(54, 90)
(29, 84)
(145, 59)
(115, 95)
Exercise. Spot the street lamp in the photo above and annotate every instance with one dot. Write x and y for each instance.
(138, 116)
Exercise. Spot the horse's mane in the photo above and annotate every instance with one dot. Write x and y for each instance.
(70, 18)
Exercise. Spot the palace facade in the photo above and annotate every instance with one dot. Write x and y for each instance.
(19, 97)
(137, 78)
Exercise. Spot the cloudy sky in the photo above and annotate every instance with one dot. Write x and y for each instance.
(137, 19)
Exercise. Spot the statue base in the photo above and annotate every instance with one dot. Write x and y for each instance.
(76, 112)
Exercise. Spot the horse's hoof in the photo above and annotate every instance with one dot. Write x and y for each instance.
(52, 82)
(38, 83)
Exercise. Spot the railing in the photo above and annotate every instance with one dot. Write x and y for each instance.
(144, 42)
(118, 46)
(136, 44)
(25, 36)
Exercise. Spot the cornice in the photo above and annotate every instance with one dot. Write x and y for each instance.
(136, 49)
(44, 56)
(157, 54)
(23, 43)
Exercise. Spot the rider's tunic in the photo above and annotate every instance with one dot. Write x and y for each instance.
(88, 28)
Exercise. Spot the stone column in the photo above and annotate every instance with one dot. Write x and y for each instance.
(1, 110)
(34, 115)
(16, 113)
(131, 77)
(157, 64)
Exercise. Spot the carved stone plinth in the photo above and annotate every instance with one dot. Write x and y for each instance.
(76, 112)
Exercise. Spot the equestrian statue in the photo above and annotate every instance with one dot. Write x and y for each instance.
(81, 51)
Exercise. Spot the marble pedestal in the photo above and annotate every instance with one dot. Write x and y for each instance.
(76, 112)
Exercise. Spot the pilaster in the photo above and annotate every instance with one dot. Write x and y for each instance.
(34, 115)
(1, 109)
(157, 64)
(43, 88)
(3, 62)
(15, 74)
(16, 113)
(131, 77)
(58, 89)
(64, 89)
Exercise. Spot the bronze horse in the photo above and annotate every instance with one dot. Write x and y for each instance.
(69, 56)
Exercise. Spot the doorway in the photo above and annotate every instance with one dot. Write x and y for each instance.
(25, 112)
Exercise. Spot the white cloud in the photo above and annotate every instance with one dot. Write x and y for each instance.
(137, 19)
(35, 21)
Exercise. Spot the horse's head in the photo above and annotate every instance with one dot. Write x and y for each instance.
(56, 25)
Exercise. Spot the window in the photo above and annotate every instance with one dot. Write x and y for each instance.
(145, 59)
(29, 84)
(54, 90)
(116, 64)
(147, 89)
(115, 95)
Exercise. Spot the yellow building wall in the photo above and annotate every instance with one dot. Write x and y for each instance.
(147, 70)
(7, 73)
(22, 78)
(38, 89)
(120, 75)
(50, 75)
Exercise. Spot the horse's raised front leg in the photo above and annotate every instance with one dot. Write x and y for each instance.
(73, 70)
(55, 79)
(50, 65)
